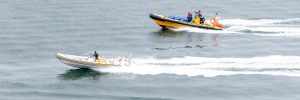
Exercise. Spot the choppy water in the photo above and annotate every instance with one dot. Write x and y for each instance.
(256, 56)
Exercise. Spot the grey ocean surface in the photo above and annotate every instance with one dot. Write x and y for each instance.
(255, 57)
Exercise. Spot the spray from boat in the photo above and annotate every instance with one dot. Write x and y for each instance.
(211, 67)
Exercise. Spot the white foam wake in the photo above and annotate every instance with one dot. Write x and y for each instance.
(210, 67)
(258, 22)
(261, 27)
(267, 30)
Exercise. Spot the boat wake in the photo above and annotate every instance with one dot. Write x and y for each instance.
(261, 27)
(258, 22)
(211, 67)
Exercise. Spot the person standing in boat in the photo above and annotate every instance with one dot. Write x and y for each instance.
(96, 55)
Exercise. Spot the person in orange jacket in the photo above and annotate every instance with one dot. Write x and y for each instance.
(215, 21)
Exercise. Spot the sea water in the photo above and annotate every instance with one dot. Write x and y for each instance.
(255, 57)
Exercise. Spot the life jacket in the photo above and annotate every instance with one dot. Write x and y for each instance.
(197, 21)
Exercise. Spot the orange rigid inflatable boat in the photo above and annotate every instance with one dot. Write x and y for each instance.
(167, 22)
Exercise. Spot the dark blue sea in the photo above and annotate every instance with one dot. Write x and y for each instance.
(255, 57)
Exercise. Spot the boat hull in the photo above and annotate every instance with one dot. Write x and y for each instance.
(166, 22)
(83, 62)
